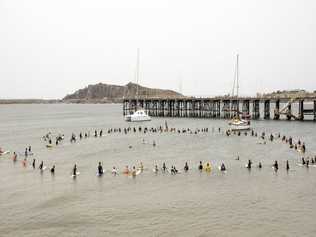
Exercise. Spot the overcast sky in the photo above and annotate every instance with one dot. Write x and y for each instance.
(51, 48)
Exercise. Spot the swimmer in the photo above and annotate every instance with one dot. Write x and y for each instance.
(52, 170)
(260, 165)
(33, 164)
(186, 167)
(15, 156)
(134, 171)
(24, 162)
(41, 165)
(156, 169)
(223, 168)
(114, 170)
(126, 170)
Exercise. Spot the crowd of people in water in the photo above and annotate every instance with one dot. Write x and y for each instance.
(133, 171)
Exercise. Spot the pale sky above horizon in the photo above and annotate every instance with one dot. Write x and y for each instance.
(51, 48)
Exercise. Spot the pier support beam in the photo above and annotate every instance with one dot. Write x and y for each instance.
(314, 110)
(289, 112)
(277, 110)
(301, 110)
(226, 109)
(267, 109)
(256, 109)
(246, 107)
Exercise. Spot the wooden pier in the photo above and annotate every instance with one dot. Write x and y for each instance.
(224, 107)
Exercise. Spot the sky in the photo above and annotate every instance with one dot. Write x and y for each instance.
(51, 48)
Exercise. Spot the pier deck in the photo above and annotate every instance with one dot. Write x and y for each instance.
(226, 107)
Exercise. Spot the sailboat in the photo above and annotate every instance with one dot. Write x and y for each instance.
(140, 114)
(237, 123)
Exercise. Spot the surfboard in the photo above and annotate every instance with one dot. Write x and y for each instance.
(138, 172)
(98, 174)
(77, 173)
(5, 153)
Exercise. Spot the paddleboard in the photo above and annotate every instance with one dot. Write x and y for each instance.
(114, 172)
(49, 145)
(220, 169)
(97, 174)
(77, 173)
(5, 153)
(300, 165)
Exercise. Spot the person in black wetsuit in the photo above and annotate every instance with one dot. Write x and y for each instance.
(249, 164)
(186, 167)
(260, 165)
(100, 169)
(52, 170)
(41, 166)
(74, 170)
(164, 168)
(223, 168)
(276, 165)
(287, 165)
(33, 164)
(303, 161)
(200, 166)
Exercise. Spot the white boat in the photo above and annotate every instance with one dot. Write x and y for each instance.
(237, 123)
(140, 114)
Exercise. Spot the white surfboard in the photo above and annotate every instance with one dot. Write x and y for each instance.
(77, 173)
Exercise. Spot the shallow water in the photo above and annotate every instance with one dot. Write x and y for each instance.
(237, 203)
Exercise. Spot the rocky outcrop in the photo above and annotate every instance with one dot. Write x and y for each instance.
(105, 93)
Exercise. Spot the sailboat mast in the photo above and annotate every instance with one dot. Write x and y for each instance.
(237, 76)
(137, 77)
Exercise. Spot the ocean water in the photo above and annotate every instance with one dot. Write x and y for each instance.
(236, 203)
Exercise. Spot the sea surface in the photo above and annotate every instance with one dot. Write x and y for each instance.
(236, 203)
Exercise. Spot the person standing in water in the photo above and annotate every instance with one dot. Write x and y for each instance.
(287, 165)
(260, 165)
(164, 168)
(33, 164)
(41, 165)
(100, 169)
(186, 167)
(249, 164)
(74, 170)
(200, 166)
(276, 166)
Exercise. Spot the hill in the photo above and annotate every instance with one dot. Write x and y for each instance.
(106, 93)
